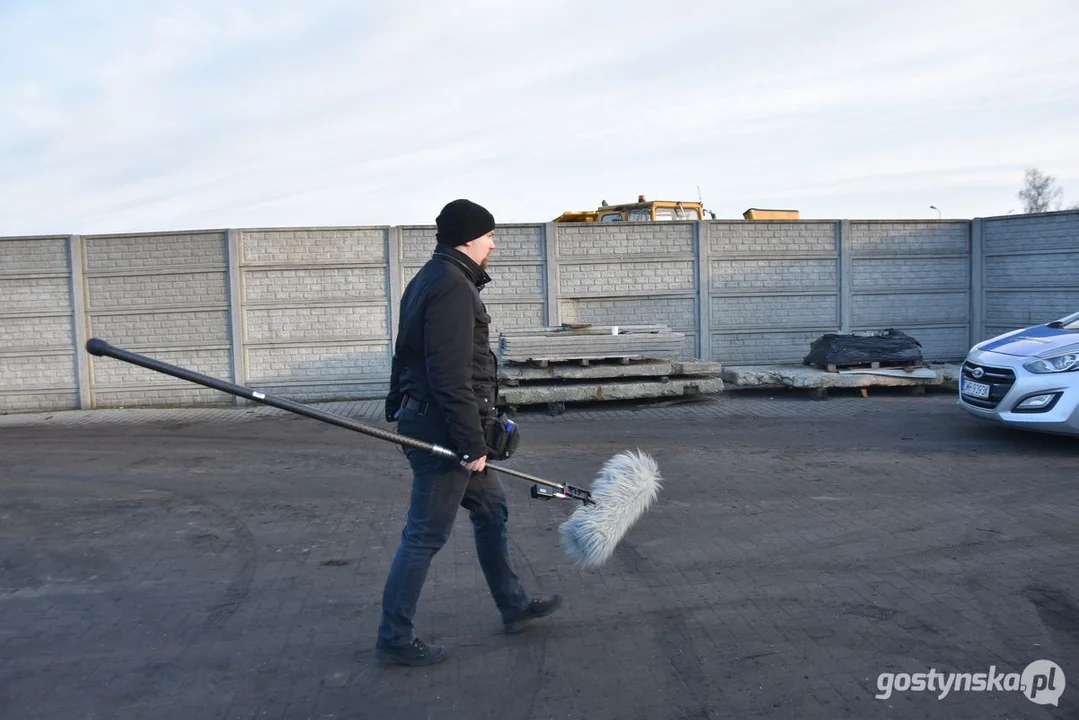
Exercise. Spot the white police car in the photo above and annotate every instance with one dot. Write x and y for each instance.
(1026, 378)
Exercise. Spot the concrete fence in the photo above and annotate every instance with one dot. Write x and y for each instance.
(311, 313)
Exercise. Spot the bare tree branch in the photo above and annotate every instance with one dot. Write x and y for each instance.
(1039, 192)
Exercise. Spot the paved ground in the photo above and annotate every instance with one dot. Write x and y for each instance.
(229, 564)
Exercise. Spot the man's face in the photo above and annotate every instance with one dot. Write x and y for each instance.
(483, 246)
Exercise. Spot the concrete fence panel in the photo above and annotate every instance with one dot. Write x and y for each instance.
(629, 274)
(915, 277)
(160, 294)
(38, 362)
(773, 289)
(315, 318)
(1030, 270)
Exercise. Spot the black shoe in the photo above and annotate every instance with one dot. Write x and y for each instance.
(415, 654)
(536, 609)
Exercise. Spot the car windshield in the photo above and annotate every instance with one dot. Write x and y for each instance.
(1071, 322)
(675, 213)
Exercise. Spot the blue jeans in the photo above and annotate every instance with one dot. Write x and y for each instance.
(439, 487)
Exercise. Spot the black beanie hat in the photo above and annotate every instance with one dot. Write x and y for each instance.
(461, 221)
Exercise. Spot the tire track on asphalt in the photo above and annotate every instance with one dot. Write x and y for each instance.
(537, 667)
(239, 585)
(671, 633)
(1056, 610)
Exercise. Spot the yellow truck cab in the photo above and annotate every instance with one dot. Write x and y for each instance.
(641, 211)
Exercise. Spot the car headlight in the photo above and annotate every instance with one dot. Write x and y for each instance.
(1060, 363)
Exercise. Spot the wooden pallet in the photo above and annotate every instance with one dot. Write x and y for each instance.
(576, 360)
(876, 365)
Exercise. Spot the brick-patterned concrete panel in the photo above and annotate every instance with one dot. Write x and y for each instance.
(156, 290)
(774, 274)
(518, 243)
(928, 273)
(333, 392)
(909, 238)
(761, 237)
(343, 245)
(109, 374)
(118, 252)
(617, 239)
(679, 314)
(507, 280)
(34, 255)
(312, 284)
(38, 401)
(891, 310)
(939, 344)
(1038, 232)
(283, 325)
(180, 396)
(417, 243)
(510, 315)
(349, 361)
(691, 346)
(992, 330)
(626, 278)
(1026, 271)
(775, 311)
(763, 348)
(514, 280)
(37, 332)
(30, 295)
(1023, 309)
(408, 272)
(44, 372)
(156, 329)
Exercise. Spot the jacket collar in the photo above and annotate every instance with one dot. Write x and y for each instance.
(474, 272)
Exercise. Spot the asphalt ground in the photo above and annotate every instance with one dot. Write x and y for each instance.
(229, 563)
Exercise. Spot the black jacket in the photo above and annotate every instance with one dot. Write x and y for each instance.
(442, 355)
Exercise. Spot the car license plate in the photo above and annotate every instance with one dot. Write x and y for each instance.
(974, 389)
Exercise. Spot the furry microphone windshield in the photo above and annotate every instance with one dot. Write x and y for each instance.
(624, 489)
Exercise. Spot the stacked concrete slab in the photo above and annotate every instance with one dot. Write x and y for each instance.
(818, 382)
(587, 342)
(586, 363)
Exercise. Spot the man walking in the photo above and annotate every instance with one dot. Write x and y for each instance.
(442, 390)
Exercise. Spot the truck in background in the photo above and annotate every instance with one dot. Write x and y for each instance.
(645, 210)
(641, 211)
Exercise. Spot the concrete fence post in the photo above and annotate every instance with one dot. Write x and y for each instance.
(394, 281)
(701, 247)
(977, 282)
(550, 272)
(80, 319)
(236, 310)
(846, 272)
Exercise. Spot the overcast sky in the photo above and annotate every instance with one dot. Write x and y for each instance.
(146, 115)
